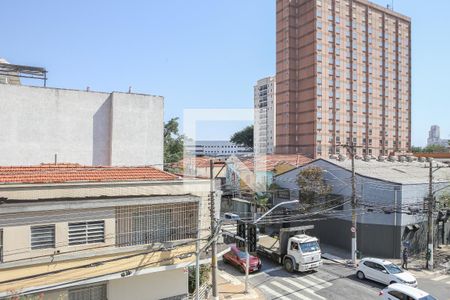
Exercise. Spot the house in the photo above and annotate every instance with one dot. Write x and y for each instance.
(69, 231)
(200, 166)
(257, 173)
(391, 209)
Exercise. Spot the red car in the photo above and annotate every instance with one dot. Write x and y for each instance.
(238, 258)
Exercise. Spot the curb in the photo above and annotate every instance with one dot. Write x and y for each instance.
(335, 259)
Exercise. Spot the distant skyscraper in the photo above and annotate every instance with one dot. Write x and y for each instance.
(434, 137)
(343, 76)
(264, 129)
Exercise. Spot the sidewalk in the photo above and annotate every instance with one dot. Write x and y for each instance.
(417, 263)
(335, 254)
(232, 288)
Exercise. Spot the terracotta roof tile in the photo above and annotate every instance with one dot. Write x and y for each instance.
(59, 173)
(270, 161)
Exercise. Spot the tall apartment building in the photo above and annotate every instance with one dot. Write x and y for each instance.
(434, 137)
(343, 76)
(264, 129)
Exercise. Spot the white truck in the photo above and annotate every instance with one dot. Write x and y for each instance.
(294, 249)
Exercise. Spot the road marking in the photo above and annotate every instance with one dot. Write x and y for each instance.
(440, 277)
(272, 292)
(302, 287)
(316, 286)
(233, 280)
(320, 280)
(291, 291)
(273, 269)
(265, 272)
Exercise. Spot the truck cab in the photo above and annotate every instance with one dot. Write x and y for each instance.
(303, 253)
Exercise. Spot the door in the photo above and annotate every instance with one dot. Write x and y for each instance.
(380, 273)
(369, 270)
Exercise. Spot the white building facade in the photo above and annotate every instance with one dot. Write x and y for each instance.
(264, 103)
(215, 148)
(42, 125)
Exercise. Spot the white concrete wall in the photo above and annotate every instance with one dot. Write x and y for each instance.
(89, 128)
(150, 286)
(264, 126)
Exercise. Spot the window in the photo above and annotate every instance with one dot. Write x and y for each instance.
(92, 292)
(156, 223)
(42, 237)
(397, 294)
(86, 232)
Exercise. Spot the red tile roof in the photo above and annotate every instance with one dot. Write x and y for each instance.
(59, 173)
(270, 161)
(200, 162)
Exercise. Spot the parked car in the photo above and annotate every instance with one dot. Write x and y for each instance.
(384, 271)
(398, 291)
(238, 259)
(231, 217)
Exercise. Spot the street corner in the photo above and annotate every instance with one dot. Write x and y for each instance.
(231, 287)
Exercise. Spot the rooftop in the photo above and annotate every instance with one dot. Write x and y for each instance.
(398, 172)
(199, 162)
(64, 172)
(270, 161)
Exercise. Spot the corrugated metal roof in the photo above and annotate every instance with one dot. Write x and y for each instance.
(399, 172)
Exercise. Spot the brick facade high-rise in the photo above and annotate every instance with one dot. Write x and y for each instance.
(343, 76)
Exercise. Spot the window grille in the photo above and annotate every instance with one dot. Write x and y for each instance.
(42, 237)
(86, 232)
(157, 223)
(93, 292)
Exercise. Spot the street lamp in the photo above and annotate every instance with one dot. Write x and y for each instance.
(247, 255)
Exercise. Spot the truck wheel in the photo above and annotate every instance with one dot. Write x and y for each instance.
(289, 265)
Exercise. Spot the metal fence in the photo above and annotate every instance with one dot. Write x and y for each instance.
(156, 223)
(203, 292)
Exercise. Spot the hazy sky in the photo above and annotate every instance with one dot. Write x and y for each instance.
(197, 53)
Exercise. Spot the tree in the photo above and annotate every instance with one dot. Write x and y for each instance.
(415, 149)
(173, 142)
(435, 149)
(444, 200)
(312, 186)
(244, 137)
(204, 276)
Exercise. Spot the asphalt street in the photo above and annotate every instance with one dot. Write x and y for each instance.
(332, 281)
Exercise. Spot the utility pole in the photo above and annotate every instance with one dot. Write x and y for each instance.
(429, 254)
(352, 150)
(213, 230)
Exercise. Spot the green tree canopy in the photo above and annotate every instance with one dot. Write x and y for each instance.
(244, 137)
(312, 186)
(430, 149)
(173, 142)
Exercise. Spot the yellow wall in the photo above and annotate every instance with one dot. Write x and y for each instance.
(121, 262)
(17, 241)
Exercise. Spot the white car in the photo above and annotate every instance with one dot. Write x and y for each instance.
(384, 271)
(398, 291)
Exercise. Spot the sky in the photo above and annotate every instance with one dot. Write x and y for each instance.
(198, 53)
